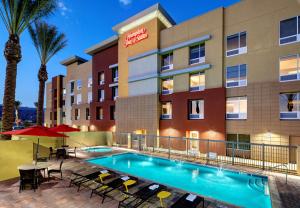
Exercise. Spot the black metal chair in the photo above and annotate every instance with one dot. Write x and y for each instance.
(56, 170)
(51, 153)
(61, 153)
(28, 177)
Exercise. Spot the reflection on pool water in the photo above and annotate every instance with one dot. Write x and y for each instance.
(232, 187)
(97, 149)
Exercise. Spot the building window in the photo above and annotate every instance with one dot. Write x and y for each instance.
(240, 141)
(101, 78)
(197, 82)
(87, 114)
(79, 84)
(236, 108)
(77, 114)
(236, 44)
(115, 92)
(72, 86)
(55, 116)
(289, 30)
(290, 105)
(72, 99)
(63, 102)
(63, 114)
(167, 86)
(289, 68)
(236, 76)
(64, 91)
(167, 61)
(112, 112)
(115, 74)
(166, 109)
(196, 109)
(100, 95)
(197, 54)
(99, 113)
(90, 97)
(78, 99)
(90, 82)
(50, 115)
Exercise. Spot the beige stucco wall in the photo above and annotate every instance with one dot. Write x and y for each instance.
(261, 21)
(136, 113)
(210, 23)
(76, 72)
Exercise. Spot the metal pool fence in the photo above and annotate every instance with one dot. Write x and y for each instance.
(281, 158)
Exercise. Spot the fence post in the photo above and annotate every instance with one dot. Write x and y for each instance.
(233, 152)
(298, 159)
(169, 147)
(187, 147)
(153, 143)
(263, 155)
(207, 151)
(129, 141)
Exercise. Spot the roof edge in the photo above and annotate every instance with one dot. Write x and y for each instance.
(72, 60)
(102, 45)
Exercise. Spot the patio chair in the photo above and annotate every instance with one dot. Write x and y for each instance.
(61, 153)
(51, 153)
(28, 177)
(138, 198)
(56, 170)
(188, 201)
(104, 189)
(72, 151)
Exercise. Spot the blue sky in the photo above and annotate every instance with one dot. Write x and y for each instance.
(85, 23)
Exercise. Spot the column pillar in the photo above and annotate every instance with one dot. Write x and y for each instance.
(298, 159)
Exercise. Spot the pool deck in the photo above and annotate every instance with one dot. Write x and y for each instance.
(57, 193)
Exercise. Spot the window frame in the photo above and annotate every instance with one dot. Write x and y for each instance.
(101, 82)
(192, 116)
(297, 112)
(100, 97)
(79, 86)
(115, 71)
(297, 34)
(199, 87)
(239, 78)
(87, 114)
(167, 92)
(240, 50)
(170, 65)
(166, 116)
(298, 68)
(238, 143)
(90, 81)
(115, 92)
(100, 116)
(77, 96)
(201, 59)
(240, 115)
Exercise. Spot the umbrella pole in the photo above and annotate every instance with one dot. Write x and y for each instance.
(37, 151)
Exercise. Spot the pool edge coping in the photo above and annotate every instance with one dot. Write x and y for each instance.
(274, 194)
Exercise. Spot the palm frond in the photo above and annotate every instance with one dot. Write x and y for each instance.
(17, 15)
(47, 40)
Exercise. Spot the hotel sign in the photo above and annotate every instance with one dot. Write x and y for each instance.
(135, 37)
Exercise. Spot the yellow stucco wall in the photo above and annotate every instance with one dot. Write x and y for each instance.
(85, 139)
(13, 154)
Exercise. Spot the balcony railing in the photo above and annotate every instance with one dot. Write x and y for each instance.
(167, 67)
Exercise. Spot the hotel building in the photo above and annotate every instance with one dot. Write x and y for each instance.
(232, 73)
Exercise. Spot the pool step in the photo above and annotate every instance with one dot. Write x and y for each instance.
(257, 184)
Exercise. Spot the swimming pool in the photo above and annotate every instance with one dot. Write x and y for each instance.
(98, 149)
(232, 187)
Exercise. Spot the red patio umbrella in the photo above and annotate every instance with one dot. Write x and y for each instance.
(35, 131)
(64, 128)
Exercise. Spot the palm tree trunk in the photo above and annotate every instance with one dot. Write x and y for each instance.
(43, 77)
(12, 53)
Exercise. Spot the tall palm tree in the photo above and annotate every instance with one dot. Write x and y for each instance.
(17, 107)
(48, 42)
(16, 16)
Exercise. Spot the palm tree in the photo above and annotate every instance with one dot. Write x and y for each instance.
(48, 42)
(17, 107)
(16, 15)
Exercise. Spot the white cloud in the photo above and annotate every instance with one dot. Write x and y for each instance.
(125, 2)
(62, 8)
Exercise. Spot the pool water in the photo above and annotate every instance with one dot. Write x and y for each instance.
(98, 149)
(236, 188)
